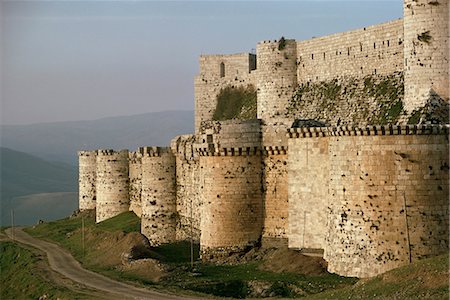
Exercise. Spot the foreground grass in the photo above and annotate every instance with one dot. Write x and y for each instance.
(24, 276)
(425, 279)
(220, 280)
(236, 281)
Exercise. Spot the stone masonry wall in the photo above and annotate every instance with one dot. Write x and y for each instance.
(87, 174)
(276, 76)
(371, 50)
(159, 214)
(208, 83)
(188, 183)
(112, 184)
(275, 195)
(426, 25)
(232, 203)
(308, 192)
(387, 202)
(135, 174)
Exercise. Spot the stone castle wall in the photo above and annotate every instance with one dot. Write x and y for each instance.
(159, 212)
(216, 73)
(275, 197)
(371, 50)
(426, 25)
(188, 187)
(135, 174)
(370, 199)
(232, 202)
(276, 77)
(383, 203)
(87, 173)
(308, 182)
(112, 184)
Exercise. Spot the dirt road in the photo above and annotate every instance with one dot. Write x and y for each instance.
(62, 262)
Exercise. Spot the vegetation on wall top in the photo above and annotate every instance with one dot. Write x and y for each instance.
(236, 103)
(371, 100)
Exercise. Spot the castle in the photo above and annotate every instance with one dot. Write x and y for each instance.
(334, 146)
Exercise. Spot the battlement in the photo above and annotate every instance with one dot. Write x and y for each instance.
(111, 152)
(275, 150)
(305, 132)
(87, 153)
(155, 151)
(229, 151)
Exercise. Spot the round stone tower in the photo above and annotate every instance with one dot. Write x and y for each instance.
(135, 160)
(159, 213)
(384, 216)
(276, 77)
(112, 184)
(232, 211)
(86, 179)
(426, 52)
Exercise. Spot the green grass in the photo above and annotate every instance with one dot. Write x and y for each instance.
(23, 278)
(236, 280)
(236, 103)
(425, 279)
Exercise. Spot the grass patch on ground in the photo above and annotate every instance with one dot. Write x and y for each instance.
(23, 276)
(425, 279)
(422, 280)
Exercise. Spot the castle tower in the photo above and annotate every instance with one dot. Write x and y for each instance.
(232, 210)
(426, 51)
(159, 214)
(218, 72)
(86, 179)
(112, 184)
(135, 165)
(276, 77)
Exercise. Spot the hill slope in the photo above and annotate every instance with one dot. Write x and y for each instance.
(60, 141)
(35, 188)
(24, 174)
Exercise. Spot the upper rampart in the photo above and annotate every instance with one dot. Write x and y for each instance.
(371, 50)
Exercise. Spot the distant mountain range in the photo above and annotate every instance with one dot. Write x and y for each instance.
(60, 141)
(39, 163)
(23, 176)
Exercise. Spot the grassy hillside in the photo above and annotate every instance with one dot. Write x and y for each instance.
(425, 279)
(35, 188)
(24, 275)
(24, 174)
(168, 267)
(60, 141)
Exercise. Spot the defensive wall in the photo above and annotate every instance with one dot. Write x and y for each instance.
(369, 217)
(304, 172)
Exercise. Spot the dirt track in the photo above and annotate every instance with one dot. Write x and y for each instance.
(62, 262)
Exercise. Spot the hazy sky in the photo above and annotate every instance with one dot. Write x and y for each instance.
(77, 60)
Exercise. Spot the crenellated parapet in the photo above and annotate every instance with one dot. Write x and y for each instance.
(307, 132)
(112, 183)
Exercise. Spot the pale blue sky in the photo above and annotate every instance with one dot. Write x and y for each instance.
(76, 60)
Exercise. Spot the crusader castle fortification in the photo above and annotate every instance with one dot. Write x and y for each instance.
(336, 145)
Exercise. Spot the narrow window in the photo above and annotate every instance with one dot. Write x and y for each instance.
(222, 69)
(324, 55)
(374, 46)
(388, 43)
(312, 56)
(360, 46)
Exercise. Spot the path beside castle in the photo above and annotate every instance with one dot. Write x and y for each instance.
(63, 262)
